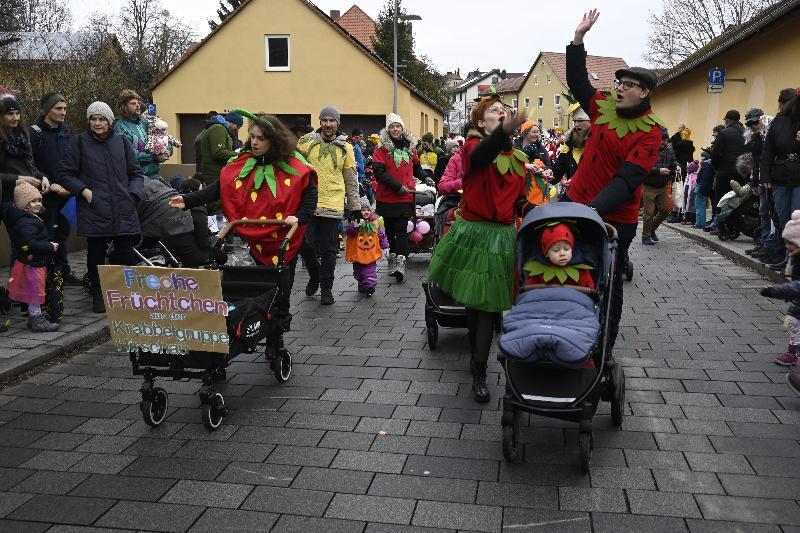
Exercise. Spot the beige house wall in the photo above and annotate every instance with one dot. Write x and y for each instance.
(768, 63)
(537, 86)
(229, 71)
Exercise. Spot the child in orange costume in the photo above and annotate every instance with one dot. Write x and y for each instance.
(557, 243)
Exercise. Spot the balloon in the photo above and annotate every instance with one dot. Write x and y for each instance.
(409, 227)
(423, 227)
(415, 236)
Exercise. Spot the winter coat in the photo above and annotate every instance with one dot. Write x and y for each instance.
(705, 178)
(538, 151)
(684, 151)
(359, 155)
(450, 182)
(107, 167)
(728, 145)
(666, 159)
(565, 165)
(441, 166)
(216, 147)
(48, 146)
(786, 291)
(137, 133)
(756, 146)
(29, 237)
(780, 156)
(16, 159)
(391, 176)
(337, 178)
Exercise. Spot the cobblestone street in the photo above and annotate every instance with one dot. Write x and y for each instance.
(375, 432)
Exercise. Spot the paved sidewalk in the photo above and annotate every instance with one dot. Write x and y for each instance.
(21, 349)
(733, 250)
(376, 433)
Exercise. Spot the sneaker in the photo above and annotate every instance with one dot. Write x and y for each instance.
(327, 297)
(779, 266)
(787, 359)
(751, 251)
(771, 259)
(72, 280)
(362, 289)
(654, 237)
(648, 242)
(793, 380)
(40, 324)
(370, 291)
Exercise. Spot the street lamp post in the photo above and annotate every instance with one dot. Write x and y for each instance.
(396, 18)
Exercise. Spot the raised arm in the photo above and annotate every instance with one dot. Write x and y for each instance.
(577, 76)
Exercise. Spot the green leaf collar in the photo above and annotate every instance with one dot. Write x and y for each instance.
(264, 173)
(607, 107)
(514, 161)
(548, 272)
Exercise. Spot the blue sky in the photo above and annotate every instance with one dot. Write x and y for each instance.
(470, 34)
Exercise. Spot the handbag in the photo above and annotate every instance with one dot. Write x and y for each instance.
(677, 191)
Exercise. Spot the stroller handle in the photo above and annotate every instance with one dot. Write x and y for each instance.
(263, 222)
(612, 232)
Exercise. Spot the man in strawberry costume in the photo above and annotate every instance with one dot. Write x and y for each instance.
(620, 152)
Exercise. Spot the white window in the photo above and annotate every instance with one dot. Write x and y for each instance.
(535, 79)
(278, 53)
(495, 79)
(556, 122)
(514, 103)
(540, 101)
(557, 99)
(527, 102)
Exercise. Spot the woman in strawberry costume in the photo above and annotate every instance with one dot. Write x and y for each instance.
(267, 180)
(474, 263)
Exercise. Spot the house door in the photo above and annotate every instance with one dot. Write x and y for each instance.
(190, 126)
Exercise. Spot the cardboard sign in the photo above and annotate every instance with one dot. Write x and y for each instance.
(164, 310)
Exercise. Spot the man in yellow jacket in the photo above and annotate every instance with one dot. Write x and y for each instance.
(328, 151)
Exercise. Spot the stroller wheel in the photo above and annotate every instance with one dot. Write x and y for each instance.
(214, 411)
(154, 409)
(282, 366)
(618, 401)
(433, 336)
(510, 444)
(586, 445)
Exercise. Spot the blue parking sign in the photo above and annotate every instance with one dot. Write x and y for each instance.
(151, 109)
(716, 76)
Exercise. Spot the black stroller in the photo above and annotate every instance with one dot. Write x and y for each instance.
(534, 382)
(743, 218)
(254, 323)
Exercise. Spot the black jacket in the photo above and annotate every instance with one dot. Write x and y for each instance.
(705, 178)
(49, 145)
(16, 160)
(441, 166)
(755, 147)
(728, 146)
(108, 167)
(666, 159)
(537, 151)
(780, 156)
(684, 151)
(29, 237)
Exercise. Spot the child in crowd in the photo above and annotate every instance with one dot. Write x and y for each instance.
(790, 292)
(34, 252)
(690, 193)
(159, 142)
(366, 241)
(559, 265)
(703, 189)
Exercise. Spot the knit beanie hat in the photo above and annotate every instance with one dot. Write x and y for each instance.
(10, 102)
(428, 137)
(234, 118)
(365, 203)
(693, 167)
(102, 109)
(449, 144)
(394, 118)
(553, 234)
(25, 193)
(791, 232)
(50, 100)
(330, 112)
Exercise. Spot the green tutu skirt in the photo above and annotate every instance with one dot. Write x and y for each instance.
(474, 263)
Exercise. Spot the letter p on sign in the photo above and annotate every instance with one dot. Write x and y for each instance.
(716, 76)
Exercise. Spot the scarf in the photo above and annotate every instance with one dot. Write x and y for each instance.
(16, 144)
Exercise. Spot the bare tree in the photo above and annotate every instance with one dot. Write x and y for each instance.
(154, 39)
(685, 26)
(44, 16)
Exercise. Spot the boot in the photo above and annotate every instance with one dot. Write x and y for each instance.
(479, 388)
(327, 297)
(313, 284)
(400, 268)
(392, 260)
(39, 323)
(98, 305)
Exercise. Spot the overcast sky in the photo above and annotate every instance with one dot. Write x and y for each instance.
(450, 31)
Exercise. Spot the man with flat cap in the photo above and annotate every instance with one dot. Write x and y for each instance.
(619, 153)
(727, 147)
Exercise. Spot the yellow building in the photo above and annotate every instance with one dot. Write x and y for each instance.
(290, 59)
(542, 93)
(760, 59)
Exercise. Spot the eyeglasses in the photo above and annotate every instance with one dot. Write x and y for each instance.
(626, 85)
(496, 110)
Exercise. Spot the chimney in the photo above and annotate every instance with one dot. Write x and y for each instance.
(336, 15)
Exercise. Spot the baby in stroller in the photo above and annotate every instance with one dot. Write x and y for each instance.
(548, 323)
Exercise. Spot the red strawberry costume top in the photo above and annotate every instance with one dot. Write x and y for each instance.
(256, 188)
(620, 150)
(494, 190)
(395, 163)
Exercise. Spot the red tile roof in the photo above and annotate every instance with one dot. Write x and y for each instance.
(601, 66)
(510, 85)
(359, 25)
